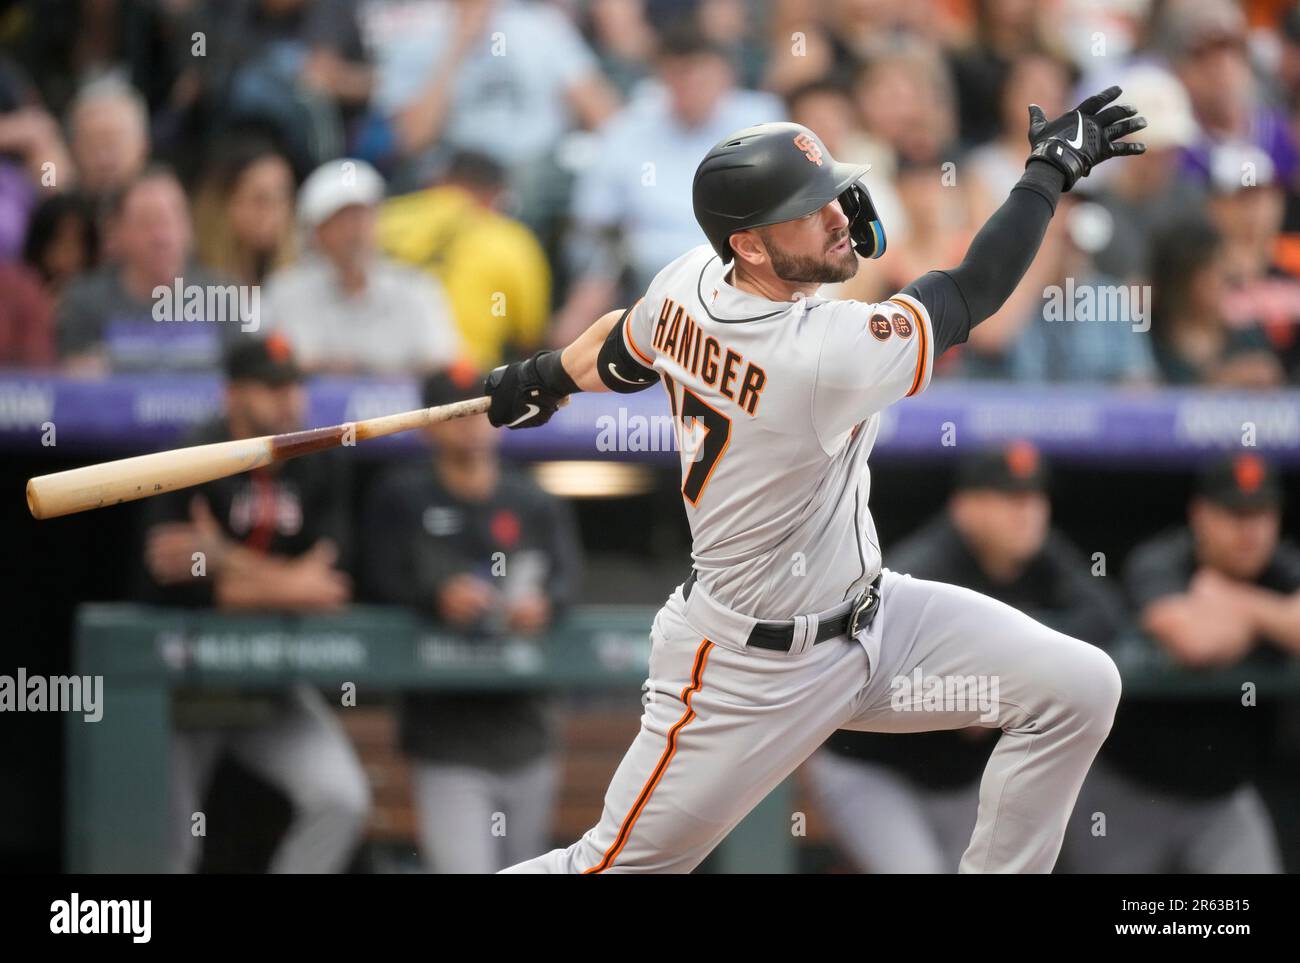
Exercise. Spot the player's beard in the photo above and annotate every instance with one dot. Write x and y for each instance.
(802, 269)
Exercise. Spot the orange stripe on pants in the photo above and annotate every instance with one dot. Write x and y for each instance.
(697, 679)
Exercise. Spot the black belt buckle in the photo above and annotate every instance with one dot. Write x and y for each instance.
(864, 609)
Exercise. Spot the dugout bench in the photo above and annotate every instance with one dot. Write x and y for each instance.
(117, 768)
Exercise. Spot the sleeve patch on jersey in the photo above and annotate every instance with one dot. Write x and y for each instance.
(880, 327)
(902, 325)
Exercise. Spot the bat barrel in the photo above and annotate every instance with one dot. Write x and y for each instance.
(128, 479)
(125, 480)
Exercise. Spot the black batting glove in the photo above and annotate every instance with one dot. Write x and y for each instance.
(1086, 136)
(526, 393)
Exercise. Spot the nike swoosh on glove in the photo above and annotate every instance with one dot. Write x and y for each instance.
(1077, 142)
(520, 398)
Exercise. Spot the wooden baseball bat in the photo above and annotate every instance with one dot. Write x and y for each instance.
(125, 480)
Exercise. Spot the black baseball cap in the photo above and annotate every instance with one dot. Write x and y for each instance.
(268, 361)
(459, 381)
(1013, 467)
(1244, 482)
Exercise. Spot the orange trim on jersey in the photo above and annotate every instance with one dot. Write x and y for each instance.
(919, 378)
(697, 679)
(627, 334)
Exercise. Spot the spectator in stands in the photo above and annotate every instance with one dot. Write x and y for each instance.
(489, 555)
(831, 41)
(243, 213)
(622, 40)
(275, 539)
(26, 318)
(1287, 92)
(1192, 339)
(900, 86)
(1033, 77)
(632, 210)
(732, 24)
(66, 42)
(125, 315)
(1206, 44)
(1004, 31)
(1287, 77)
(33, 158)
(297, 66)
(1083, 326)
(1175, 780)
(62, 241)
(108, 122)
(346, 307)
(500, 77)
(492, 267)
(907, 803)
(1247, 205)
(1144, 196)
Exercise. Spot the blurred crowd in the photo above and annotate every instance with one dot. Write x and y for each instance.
(272, 189)
(404, 182)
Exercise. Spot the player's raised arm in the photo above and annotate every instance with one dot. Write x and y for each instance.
(1062, 151)
(603, 358)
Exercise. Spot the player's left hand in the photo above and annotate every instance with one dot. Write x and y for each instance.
(1080, 140)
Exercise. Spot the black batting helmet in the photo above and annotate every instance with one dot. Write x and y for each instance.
(777, 172)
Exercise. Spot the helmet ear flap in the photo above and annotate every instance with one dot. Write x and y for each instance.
(865, 230)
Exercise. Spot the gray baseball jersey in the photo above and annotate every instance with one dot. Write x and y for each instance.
(776, 406)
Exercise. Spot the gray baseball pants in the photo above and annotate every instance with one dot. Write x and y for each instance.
(724, 724)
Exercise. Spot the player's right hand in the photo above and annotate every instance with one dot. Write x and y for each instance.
(1080, 140)
(520, 398)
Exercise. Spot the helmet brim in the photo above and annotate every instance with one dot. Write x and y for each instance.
(814, 199)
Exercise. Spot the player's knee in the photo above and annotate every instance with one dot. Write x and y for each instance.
(1074, 684)
(1095, 689)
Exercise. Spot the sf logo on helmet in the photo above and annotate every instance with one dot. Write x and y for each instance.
(810, 148)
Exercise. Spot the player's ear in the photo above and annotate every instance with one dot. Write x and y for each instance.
(747, 246)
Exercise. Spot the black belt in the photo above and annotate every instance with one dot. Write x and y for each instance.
(779, 636)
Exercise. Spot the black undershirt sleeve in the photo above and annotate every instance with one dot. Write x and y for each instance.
(998, 257)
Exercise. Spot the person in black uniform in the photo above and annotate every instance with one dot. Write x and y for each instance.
(273, 539)
(1175, 780)
(908, 803)
(481, 549)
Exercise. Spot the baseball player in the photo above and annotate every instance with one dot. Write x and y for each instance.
(788, 627)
